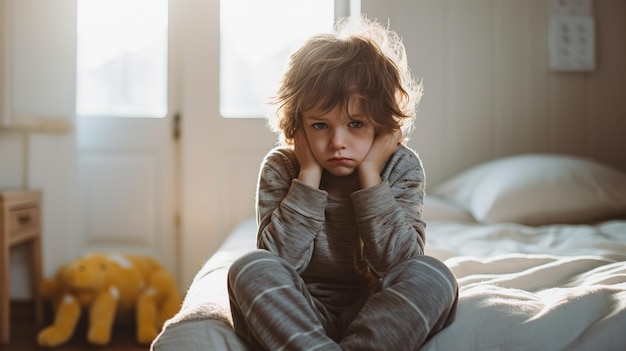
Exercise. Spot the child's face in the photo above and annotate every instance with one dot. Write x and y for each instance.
(339, 141)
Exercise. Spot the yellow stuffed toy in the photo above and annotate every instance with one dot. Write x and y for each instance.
(110, 288)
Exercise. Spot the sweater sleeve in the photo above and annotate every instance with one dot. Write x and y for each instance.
(290, 214)
(389, 215)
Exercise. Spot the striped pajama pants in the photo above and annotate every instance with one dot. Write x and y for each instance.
(273, 310)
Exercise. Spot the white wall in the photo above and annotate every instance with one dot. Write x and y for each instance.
(38, 70)
(489, 91)
(11, 159)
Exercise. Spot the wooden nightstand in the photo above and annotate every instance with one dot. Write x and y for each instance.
(20, 223)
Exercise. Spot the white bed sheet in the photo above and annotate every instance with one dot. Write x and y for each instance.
(556, 287)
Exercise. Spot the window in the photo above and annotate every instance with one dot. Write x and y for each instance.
(122, 58)
(256, 39)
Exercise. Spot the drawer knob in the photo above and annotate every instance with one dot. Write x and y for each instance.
(24, 219)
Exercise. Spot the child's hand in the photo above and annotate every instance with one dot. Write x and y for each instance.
(310, 169)
(384, 145)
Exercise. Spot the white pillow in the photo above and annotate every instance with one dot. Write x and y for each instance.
(439, 209)
(538, 189)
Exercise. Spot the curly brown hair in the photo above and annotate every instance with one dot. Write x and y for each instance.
(361, 59)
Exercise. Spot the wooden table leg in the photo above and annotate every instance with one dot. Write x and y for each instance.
(5, 308)
(37, 276)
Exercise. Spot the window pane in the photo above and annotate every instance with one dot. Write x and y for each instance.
(122, 58)
(256, 39)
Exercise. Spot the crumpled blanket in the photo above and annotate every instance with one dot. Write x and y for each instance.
(537, 302)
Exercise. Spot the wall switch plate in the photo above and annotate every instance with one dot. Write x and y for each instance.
(571, 7)
(571, 43)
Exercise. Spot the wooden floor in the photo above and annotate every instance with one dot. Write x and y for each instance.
(24, 331)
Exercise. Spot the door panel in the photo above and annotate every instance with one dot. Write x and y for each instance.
(126, 187)
(133, 184)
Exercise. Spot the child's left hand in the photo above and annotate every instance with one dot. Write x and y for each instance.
(383, 146)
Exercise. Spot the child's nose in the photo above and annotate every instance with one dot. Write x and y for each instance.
(338, 140)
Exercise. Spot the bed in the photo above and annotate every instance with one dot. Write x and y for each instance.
(536, 241)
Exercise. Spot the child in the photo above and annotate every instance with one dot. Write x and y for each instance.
(339, 208)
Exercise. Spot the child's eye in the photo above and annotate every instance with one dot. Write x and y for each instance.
(319, 126)
(355, 124)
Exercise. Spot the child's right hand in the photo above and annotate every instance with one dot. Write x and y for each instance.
(310, 169)
(384, 145)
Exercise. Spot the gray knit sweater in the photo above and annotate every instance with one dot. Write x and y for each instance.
(340, 247)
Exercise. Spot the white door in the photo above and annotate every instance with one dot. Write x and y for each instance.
(221, 156)
(127, 169)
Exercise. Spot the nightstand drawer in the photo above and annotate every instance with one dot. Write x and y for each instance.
(24, 221)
